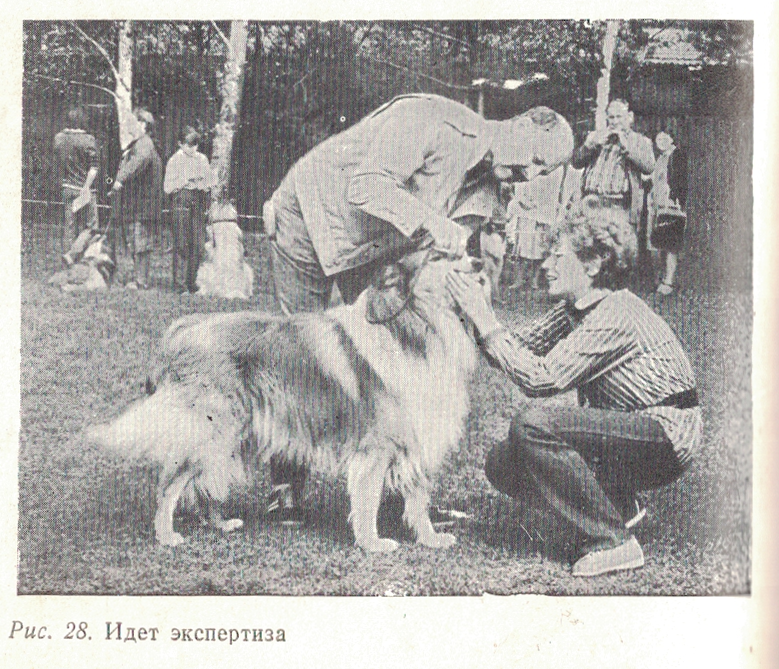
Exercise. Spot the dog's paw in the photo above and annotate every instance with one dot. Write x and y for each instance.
(379, 545)
(230, 525)
(438, 540)
(172, 539)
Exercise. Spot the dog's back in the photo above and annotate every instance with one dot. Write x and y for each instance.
(381, 401)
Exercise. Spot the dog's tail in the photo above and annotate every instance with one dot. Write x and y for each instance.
(157, 427)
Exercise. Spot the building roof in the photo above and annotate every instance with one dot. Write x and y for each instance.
(671, 46)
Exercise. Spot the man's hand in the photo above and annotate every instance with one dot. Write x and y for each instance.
(597, 138)
(621, 138)
(448, 237)
(472, 293)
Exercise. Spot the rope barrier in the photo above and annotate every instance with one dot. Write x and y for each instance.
(108, 206)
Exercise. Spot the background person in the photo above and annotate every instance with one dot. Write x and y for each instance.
(188, 179)
(666, 217)
(638, 424)
(137, 197)
(367, 195)
(76, 162)
(613, 161)
(531, 213)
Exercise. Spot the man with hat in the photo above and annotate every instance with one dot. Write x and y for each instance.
(419, 165)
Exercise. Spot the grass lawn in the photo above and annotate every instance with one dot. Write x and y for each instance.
(85, 519)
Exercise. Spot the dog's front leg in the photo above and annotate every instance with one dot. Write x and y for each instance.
(418, 519)
(365, 482)
(171, 486)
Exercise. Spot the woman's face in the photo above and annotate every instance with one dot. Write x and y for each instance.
(566, 274)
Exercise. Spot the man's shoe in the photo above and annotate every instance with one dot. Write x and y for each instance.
(625, 556)
(281, 507)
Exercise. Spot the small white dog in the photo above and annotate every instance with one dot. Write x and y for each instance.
(225, 273)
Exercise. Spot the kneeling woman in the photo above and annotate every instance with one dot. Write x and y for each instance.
(638, 423)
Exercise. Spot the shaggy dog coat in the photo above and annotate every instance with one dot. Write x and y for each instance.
(377, 390)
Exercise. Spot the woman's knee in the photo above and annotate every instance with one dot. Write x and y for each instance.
(506, 460)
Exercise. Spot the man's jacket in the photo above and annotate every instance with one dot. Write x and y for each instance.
(639, 159)
(76, 153)
(364, 192)
(140, 171)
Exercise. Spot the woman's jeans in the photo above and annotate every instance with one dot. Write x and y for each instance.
(586, 463)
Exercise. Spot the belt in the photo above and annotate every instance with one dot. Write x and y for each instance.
(608, 199)
(687, 399)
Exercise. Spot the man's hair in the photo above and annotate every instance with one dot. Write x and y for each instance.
(554, 139)
(601, 232)
(146, 116)
(189, 136)
(76, 118)
(620, 101)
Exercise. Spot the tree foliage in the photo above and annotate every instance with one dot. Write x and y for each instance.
(307, 80)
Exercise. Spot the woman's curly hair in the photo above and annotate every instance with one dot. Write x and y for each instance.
(601, 232)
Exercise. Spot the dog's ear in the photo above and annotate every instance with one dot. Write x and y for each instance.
(388, 293)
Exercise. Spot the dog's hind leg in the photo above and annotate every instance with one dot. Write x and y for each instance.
(170, 489)
(365, 482)
(418, 519)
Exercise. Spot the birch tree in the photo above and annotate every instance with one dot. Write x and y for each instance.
(604, 82)
(228, 114)
(122, 72)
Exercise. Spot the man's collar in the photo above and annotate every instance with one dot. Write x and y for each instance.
(74, 130)
(591, 298)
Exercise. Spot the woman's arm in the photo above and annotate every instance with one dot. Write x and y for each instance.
(572, 356)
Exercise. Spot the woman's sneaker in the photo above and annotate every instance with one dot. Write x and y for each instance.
(627, 555)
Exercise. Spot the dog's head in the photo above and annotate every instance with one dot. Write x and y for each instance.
(418, 278)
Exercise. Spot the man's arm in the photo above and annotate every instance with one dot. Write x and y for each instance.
(139, 155)
(638, 150)
(380, 186)
(586, 153)
(90, 179)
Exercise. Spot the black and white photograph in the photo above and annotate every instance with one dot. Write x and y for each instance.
(386, 308)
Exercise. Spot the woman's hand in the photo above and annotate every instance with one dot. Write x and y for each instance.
(472, 293)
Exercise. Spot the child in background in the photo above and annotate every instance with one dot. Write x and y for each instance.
(188, 179)
(531, 213)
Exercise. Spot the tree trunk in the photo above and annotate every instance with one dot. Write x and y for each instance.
(228, 115)
(124, 84)
(604, 83)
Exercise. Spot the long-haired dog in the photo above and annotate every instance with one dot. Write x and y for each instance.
(89, 265)
(377, 390)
